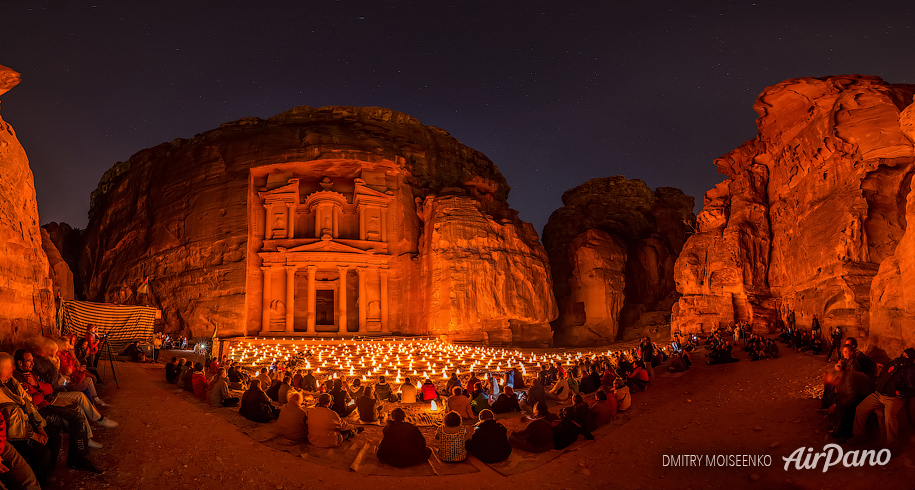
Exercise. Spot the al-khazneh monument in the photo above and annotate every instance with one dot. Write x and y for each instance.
(331, 221)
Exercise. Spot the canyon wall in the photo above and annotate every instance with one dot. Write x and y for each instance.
(26, 296)
(612, 248)
(810, 209)
(334, 218)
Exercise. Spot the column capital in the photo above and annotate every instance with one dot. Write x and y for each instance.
(311, 269)
(383, 271)
(292, 268)
(265, 268)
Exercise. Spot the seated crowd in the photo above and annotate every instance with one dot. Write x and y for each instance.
(48, 392)
(590, 393)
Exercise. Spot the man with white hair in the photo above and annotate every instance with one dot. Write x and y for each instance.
(25, 426)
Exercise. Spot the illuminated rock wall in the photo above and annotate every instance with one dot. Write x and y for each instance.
(307, 223)
(612, 248)
(810, 209)
(26, 298)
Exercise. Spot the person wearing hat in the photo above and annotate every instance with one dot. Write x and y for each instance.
(894, 387)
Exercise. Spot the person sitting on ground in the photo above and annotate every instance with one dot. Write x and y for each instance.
(722, 354)
(199, 382)
(171, 370)
(309, 382)
(428, 392)
(78, 380)
(297, 379)
(369, 408)
(284, 390)
(81, 352)
(355, 390)
(185, 366)
(560, 391)
(407, 392)
(572, 380)
(218, 393)
(459, 403)
(341, 399)
(517, 379)
(67, 355)
(292, 423)
(771, 349)
(255, 405)
(452, 382)
(135, 352)
(676, 363)
(235, 379)
(489, 442)
(327, 386)
(590, 381)
(602, 412)
(325, 427)
(537, 437)
(478, 401)
(638, 378)
(606, 379)
(451, 436)
(273, 392)
(533, 396)
(573, 422)
(622, 395)
(266, 380)
(507, 402)
(383, 391)
(471, 383)
(402, 444)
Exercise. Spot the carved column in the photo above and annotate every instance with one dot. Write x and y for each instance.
(336, 224)
(342, 298)
(290, 298)
(363, 300)
(310, 325)
(268, 221)
(290, 220)
(265, 322)
(361, 212)
(383, 211)
(384, 300)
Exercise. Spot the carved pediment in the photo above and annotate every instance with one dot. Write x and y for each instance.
(329, 245)
(288, 193)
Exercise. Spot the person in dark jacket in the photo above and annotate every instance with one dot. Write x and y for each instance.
(309, 382)
(573, 422)
(489, 442)
(383, 391)
(402, 444)
(851, 388)
(895, 386)
(506, 402)
(341, 398)
(537, 437)
(256, 406)
(171, 370)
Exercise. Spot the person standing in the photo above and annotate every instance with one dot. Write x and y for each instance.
(836, 343)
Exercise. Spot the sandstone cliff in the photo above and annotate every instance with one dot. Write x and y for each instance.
(26, 299)
(612, 248)
(810, 209)
(183, 213)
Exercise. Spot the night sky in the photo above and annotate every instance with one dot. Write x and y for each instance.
(555, 93)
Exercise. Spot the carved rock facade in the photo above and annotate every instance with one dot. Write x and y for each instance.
(327, 221)
(26, 298)
(612, 248)
(810, 209)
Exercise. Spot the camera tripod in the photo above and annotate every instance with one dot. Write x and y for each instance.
(106, 348)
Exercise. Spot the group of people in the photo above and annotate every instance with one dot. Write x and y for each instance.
(48, 392)
(280, 395)
(857, 386)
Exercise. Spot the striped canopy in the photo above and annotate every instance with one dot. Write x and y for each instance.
(123, 324)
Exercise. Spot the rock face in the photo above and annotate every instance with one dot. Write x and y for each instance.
(612, 248)
(892, 315)
(26, 300)
(328, 221)
(61, 275)
(810, 209)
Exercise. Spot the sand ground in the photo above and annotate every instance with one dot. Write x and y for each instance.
(758, 408)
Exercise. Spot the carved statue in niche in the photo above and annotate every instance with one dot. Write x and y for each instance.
(279, 225)
(278, 308)
(326, 227)
(327, 184)
(374, 310)
(373, 225)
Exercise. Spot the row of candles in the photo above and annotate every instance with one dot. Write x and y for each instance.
(399, 359)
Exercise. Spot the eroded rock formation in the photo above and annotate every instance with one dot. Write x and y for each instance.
(612, 248)
(811, 208)
(26, 299)
(332, 220)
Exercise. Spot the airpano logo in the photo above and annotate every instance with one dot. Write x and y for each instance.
(805, 459)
